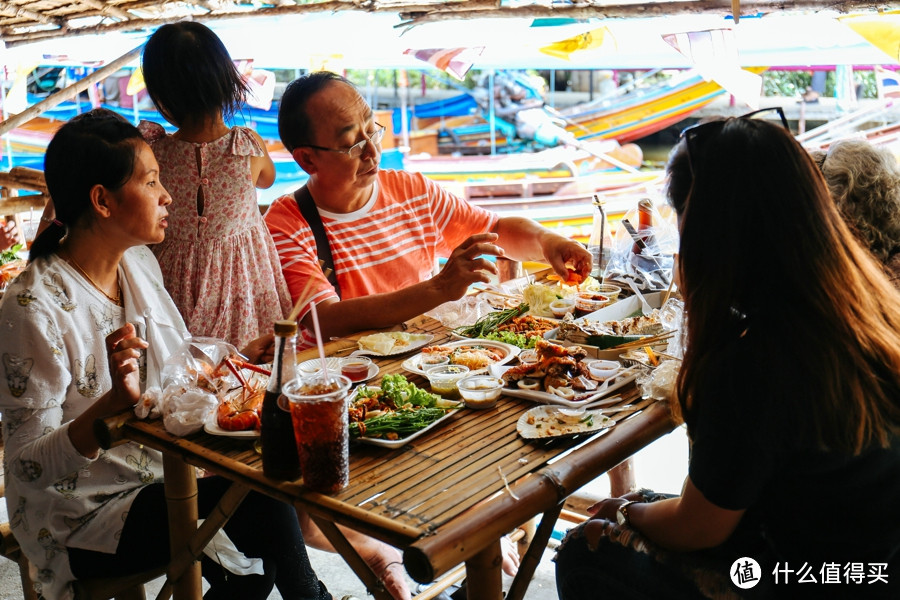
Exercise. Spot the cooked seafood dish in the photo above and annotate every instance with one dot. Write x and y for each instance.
(560, 370)
(474, 356)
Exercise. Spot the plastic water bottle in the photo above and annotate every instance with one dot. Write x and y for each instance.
(600, 242)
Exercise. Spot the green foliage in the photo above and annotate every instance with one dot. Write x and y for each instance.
(785, 83)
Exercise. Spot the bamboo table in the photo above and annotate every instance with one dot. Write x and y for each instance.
(445, 498)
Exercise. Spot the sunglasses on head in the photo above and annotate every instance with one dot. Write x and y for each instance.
(695, 134)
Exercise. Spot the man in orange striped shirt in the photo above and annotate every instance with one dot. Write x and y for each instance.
(385, 228)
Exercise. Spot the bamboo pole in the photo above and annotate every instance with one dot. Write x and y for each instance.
(190, 553)
(181, 501)
(11, 180)
(69, 92)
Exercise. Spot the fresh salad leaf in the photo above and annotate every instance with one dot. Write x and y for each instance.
(516, 339)
(10, 255)
(400, 391)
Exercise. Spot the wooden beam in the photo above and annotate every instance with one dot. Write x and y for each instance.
(19, 204)
(107, 9)
(69, 92)
(416, 12)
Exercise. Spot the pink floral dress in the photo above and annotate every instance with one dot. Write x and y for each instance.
(220, 265)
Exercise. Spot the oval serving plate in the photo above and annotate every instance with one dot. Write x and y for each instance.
(416, 340)
(622, 378)
(212, 428)
(543, 422)
(509, 352)
(399, 443)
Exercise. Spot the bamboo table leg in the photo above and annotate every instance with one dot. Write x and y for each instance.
(181, 501)
(621, 478)
(189, 553)
(483, 577)
(354, 560)
(533, 556)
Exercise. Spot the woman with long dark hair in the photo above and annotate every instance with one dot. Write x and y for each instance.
(72, 354)
(790, 389)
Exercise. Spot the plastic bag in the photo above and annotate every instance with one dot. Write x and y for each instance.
(464, 311)
(192, 380)
(651, 267)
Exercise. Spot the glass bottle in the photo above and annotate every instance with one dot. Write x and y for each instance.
(279, 447)
(600, 242)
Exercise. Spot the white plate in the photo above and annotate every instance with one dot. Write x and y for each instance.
(612, 384)
(417, 340)
(509, 351)
(402, 441)
(547, 422)
(314, 365)
(212, 428)
(309, 367)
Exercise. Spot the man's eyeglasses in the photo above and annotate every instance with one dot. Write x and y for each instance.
(356, 150)
(694, 134)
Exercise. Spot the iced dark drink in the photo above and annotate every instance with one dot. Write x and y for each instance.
(319, 413)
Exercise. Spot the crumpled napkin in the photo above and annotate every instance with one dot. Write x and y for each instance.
(184, 409)
(223, 551)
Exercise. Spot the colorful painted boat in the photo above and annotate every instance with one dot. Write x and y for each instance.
(624, 118)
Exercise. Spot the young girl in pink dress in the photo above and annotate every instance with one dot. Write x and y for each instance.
(218, 260)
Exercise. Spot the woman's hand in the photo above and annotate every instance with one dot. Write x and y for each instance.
(606, 509)
(123, 347)
(261, 350)
(9, 235)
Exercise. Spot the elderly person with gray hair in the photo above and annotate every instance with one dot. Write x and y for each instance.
(864, 181)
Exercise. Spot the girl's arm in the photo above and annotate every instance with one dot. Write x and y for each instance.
(686, 523)
(262, 169)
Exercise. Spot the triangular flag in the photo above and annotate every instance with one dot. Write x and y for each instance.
(888, 83)
(583, 41)
(326, 62)
(17, 98)
(455, 61)
(262, 88)
(714, 54)
(882, 31)
(135, 82)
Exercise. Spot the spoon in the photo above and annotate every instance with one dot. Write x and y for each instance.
(577, 412)
(645, 306)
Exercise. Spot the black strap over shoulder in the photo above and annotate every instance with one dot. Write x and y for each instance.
(310, 212)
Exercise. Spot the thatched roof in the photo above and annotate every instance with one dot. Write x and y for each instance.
(23, 21)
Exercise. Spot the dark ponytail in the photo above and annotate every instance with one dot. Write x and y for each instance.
(97, 147)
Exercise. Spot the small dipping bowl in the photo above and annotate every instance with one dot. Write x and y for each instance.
(356, 368)
(433, 360)
(561, 306)
(528, 357)
(480, 391)
(610, 290)
(443, 379)
(588, 302)
(601, 370)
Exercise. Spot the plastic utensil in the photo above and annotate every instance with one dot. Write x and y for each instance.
(645, 306)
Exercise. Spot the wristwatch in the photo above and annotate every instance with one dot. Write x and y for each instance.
(622, 512)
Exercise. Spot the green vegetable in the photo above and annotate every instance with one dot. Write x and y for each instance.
(10, 255)
(404, 422)
(490, 322)
(401, 391)
(588, 420)
(516, 339)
